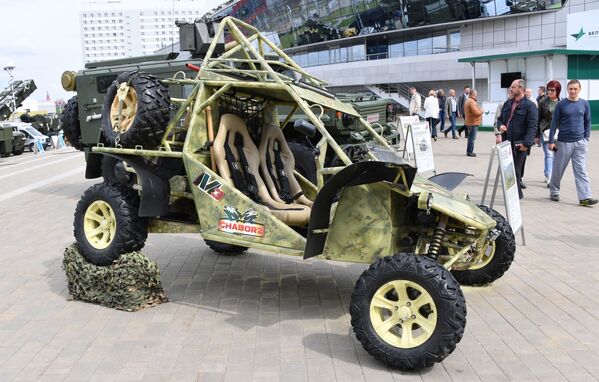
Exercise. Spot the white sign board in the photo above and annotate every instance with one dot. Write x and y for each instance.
(423, 147)
(583, 30)
(404, 122)
(510, 188)
(489, 114)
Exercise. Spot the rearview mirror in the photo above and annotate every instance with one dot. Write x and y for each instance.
(305, 128)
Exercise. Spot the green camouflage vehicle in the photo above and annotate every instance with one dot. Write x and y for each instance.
(11, 142)
(221, 167)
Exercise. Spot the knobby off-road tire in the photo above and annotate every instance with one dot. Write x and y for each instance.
(225, 249)
(20, 151)
(499, 255)
(69, 120)
(408, 311)
(144, 113)
(305, 161)
(107, 224)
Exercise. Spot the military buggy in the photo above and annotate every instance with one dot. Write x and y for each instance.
(221, 167)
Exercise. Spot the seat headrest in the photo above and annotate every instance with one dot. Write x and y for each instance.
(232, 122)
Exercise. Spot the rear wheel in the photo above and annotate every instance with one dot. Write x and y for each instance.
(224, 248)
(20, 151)
(136, 112)
(408, 311)
(107, 224)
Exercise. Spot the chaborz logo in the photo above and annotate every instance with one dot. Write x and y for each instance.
(212, 188)
(238, 223)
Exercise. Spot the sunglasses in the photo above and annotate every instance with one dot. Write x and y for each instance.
(551, 90)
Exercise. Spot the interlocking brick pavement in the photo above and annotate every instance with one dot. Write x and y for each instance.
(266, 317)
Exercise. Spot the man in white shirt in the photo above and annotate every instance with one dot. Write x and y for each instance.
(415, 101)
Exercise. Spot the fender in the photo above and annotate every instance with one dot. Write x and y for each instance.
(155, 188)
(353, 175)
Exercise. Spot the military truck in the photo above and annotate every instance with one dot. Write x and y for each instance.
(13, 142)
(82, 114)
(226, 174)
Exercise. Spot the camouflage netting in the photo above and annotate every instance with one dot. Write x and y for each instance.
(131, 283)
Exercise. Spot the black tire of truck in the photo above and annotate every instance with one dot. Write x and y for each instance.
(69, 120)
(224, 248)
(146, 111)
(107, 225)
(19, 152)
(503, 255)
(305, 161)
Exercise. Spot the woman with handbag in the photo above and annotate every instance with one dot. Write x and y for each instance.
(546, 108)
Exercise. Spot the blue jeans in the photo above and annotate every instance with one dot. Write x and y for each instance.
(471, 138)
(548, 158)
(452, 118)
(433, 125)
(442, 120)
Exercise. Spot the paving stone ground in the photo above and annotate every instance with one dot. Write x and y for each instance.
(266, 317)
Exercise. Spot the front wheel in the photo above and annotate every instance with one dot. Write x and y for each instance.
(408, 311)
(107, 224)
(497, 258)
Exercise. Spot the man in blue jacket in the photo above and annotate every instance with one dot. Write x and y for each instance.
(572, 116)
(518, 124)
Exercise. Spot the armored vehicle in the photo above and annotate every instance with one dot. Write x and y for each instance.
(81, 118)
(222, 168)
(11, 142)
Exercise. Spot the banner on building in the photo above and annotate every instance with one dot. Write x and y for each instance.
(583, 30)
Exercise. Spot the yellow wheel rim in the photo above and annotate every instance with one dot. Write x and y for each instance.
(403, 314)
(122, 121)
(99, 224)
(486, 257)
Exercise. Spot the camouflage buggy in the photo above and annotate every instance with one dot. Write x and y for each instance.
(222, 168)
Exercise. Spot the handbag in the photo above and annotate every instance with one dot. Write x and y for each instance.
(546, 135)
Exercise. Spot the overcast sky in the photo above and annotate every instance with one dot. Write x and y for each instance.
(42, 39)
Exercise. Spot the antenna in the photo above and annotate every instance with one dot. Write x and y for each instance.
(173, 29)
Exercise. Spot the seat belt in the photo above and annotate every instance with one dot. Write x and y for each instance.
(250, 179)
(234, 167)
(272, 175)
(285, 192)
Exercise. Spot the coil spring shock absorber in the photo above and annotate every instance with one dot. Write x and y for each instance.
(438, 234)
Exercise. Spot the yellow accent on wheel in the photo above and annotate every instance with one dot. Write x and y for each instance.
(122, 115)
(486, 257)
(99, 224)
(403, 314)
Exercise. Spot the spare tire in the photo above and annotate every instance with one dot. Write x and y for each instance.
(142, 116)
(69, 120)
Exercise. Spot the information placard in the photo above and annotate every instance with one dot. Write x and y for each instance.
(506, 174)
(422, 147)
(404, 130)
(510, 188)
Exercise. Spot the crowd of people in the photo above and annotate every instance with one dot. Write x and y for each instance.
(562, 126)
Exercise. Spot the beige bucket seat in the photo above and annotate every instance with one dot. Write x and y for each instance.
(273, 148)
(230, 128)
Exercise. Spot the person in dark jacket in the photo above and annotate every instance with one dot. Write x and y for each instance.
(461, 102)
(546, 107)
(518, 124)
(441, 98)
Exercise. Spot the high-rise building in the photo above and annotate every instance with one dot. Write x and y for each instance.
(119, 28)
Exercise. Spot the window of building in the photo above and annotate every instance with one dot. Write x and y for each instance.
(357, 52)
(425, 44)
(439, 42)
(454, 40)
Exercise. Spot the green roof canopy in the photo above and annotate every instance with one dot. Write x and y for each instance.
(529, 54)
